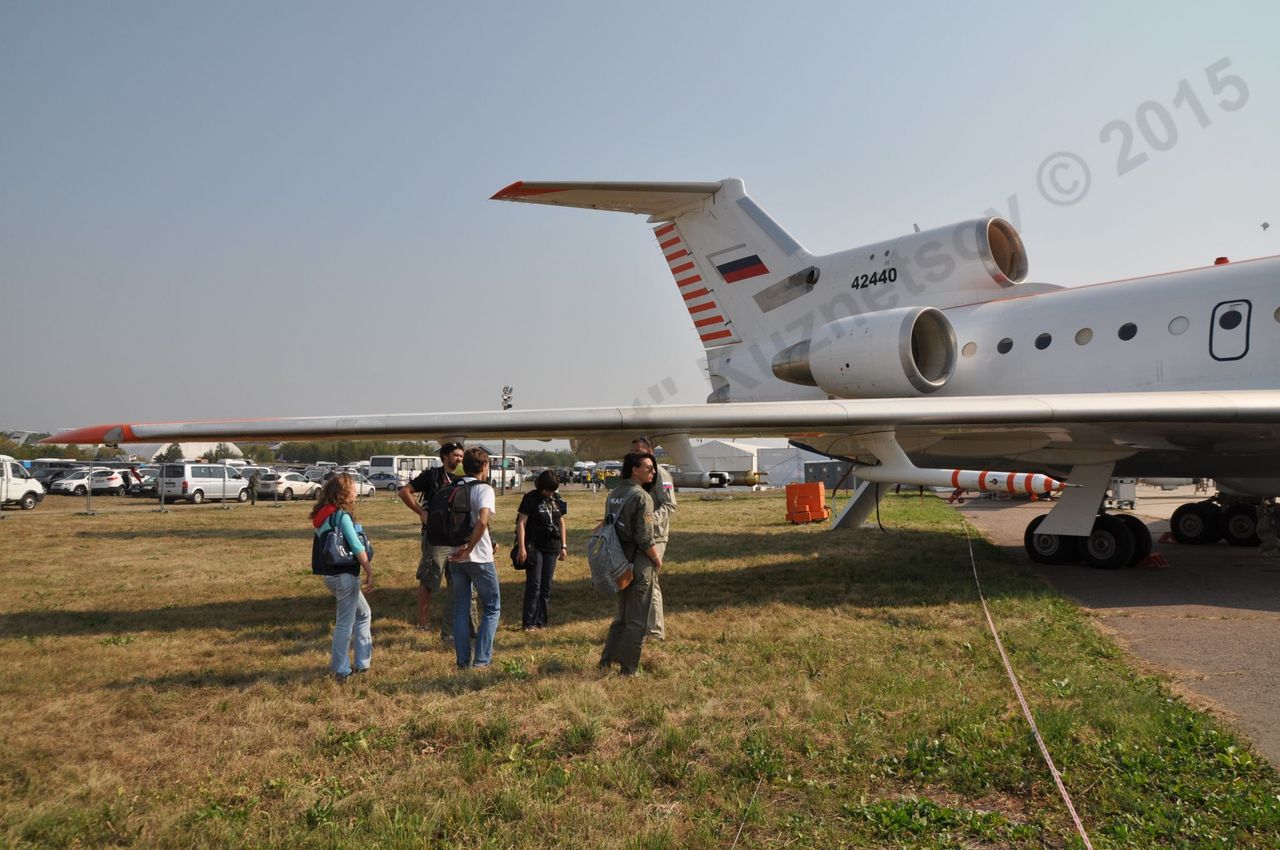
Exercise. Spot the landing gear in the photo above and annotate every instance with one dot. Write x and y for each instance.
(1141, 538)
(1116, 541)
(1240, 525)
(1198, 523)
(1049, 548)
(1110, 545)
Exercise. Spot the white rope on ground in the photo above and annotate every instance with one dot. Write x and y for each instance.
(748, 811)
(1017, 689)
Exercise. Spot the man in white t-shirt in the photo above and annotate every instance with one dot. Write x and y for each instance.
(471, 565)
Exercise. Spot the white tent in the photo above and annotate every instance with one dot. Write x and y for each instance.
(727, 455)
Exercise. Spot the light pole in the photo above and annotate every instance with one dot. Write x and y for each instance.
(506, 405)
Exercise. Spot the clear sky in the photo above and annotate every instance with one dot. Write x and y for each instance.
(243, 209)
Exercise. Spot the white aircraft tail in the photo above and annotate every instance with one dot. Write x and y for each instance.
(715, 239)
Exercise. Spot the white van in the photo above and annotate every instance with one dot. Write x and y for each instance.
(17, 487)
(196, 482)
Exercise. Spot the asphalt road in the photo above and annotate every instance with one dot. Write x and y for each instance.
(1210, 620)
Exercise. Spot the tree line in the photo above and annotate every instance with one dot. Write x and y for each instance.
(339, 451)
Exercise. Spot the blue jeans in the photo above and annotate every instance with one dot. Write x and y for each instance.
(352, 620)
(537, 587)
(484, 578)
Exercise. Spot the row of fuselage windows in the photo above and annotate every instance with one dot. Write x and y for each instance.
(1228, 321)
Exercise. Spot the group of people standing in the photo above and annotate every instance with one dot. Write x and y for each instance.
(640, 507)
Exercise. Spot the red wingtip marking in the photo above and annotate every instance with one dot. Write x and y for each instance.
(90, 435)
(519, 190)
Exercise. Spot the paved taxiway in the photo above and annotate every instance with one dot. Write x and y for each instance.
(1210, 620)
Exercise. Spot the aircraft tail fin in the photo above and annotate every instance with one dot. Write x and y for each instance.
(730, 261)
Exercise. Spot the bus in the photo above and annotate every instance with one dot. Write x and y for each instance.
(405, 467)
(509, 467)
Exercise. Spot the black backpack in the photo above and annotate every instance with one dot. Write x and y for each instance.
(449, 514)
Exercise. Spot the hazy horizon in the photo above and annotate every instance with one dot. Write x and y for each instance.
(244, 210)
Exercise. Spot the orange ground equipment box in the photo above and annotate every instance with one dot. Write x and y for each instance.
(807, 503)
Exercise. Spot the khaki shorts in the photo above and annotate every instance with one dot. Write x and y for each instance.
(431, 565)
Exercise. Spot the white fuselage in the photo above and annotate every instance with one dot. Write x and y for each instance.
(1212, 328)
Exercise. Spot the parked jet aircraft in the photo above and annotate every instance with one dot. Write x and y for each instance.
(918, 357)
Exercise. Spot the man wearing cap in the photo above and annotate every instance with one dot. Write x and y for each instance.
(663, 492)
(432, 565)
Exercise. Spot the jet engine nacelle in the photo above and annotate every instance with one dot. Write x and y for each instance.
(904, 352)
(981, 254)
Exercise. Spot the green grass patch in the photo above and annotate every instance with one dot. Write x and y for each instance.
(166, 687)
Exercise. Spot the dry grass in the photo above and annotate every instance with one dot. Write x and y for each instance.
(165, 686)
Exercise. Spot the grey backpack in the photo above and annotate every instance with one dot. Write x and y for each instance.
(611, 571)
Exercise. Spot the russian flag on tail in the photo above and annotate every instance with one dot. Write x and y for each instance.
(735, 264)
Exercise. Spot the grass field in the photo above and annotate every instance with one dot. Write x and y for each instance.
(164, 686)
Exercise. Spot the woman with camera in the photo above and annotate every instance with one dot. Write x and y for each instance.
(540, 542)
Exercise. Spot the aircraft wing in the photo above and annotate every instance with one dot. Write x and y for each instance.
(1240, 428)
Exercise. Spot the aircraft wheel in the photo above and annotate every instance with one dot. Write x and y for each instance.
(1240, 525)
(1049, 548)
(1141, 537)
(1197, 524)
(288, 495)
(1110, 545)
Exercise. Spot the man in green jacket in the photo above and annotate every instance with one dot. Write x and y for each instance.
(663, 492)
(631, 509)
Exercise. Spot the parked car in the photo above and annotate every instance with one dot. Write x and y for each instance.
(145, 487)
(287, 486)
(317, 471)
(99, 479)
(66, 475)
(364, 487)
(386, 481)
(196, 482)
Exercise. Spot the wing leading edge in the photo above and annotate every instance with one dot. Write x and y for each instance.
(1193, 416)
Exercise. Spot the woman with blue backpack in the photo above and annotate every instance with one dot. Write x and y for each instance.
(335, 525)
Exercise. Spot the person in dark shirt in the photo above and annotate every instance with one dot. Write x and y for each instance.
(541, 541)
(431, 565)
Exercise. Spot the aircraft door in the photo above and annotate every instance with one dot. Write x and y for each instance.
(1229, 330)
